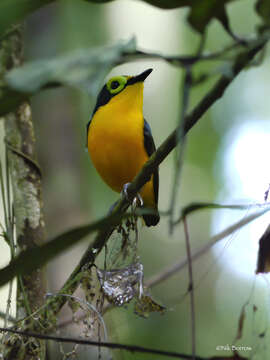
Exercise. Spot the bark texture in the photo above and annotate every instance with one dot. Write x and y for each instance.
(25, 178)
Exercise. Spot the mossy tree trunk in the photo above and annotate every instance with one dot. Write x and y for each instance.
(25, 178)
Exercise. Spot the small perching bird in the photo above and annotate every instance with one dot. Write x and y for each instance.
(120, 141)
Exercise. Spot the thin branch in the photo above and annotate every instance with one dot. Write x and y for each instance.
(3, 195)
(191, 290)
(26, 157)
(8, 307)
(10, 318)
(182, 61)
(173, 269)
(110, 345)
(11, 98)
(208, 206)
(9, 229)
(89, 306)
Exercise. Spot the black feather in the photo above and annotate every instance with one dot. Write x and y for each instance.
(150, 148)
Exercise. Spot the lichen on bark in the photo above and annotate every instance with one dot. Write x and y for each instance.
(25, 178)
(27, 187)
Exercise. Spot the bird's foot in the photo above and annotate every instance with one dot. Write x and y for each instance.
(137, 201)
(125, 192)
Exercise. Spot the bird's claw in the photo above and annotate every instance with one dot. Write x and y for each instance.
(125, 191)
(137, 201)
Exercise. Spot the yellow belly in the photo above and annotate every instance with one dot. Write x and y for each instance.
(116, 147)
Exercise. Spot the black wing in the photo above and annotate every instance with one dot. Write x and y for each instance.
(150, 149)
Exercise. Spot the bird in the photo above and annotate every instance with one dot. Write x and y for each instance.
(120, 140)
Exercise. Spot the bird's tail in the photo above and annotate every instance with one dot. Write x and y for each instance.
(151, 219)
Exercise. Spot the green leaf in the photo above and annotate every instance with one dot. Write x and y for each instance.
(202, 12)
(263, 9)
(204, 206)
(99, 1)
(13, 11)
(35, 258)
(84, 68)
(263, 262)
(163, 4)
(145, 305)
(169, 4)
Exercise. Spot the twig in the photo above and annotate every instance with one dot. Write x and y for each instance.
(24, 156)
(8, 307)
(191, 290)
(11, 98)
(90, 308)
(266, 193)
(203, 41)
(206, 206)
(3, 195)
(10, 225)
(183, 61)
(10, 318)
(132, 348)
(173, 269)
(9, 229)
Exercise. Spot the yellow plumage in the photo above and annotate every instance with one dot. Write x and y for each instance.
(116, 141)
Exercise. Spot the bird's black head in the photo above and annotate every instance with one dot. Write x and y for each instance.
(117, 84)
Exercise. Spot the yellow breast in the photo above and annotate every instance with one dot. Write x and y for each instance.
(117, 150)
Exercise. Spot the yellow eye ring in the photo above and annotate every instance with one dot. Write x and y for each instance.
(116, 84)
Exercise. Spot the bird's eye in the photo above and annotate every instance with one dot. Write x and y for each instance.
(114, 85)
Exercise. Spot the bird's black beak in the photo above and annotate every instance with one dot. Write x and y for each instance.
(139, 78)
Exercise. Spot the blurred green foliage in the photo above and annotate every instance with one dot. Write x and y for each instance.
(201, 12)
(12, 11)
(84, 69)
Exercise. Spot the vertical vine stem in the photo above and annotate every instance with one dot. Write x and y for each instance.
(190, 289)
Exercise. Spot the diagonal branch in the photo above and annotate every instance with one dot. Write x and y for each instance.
(155, 160)
(191, 290)
(179, 266)
(12, 98)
